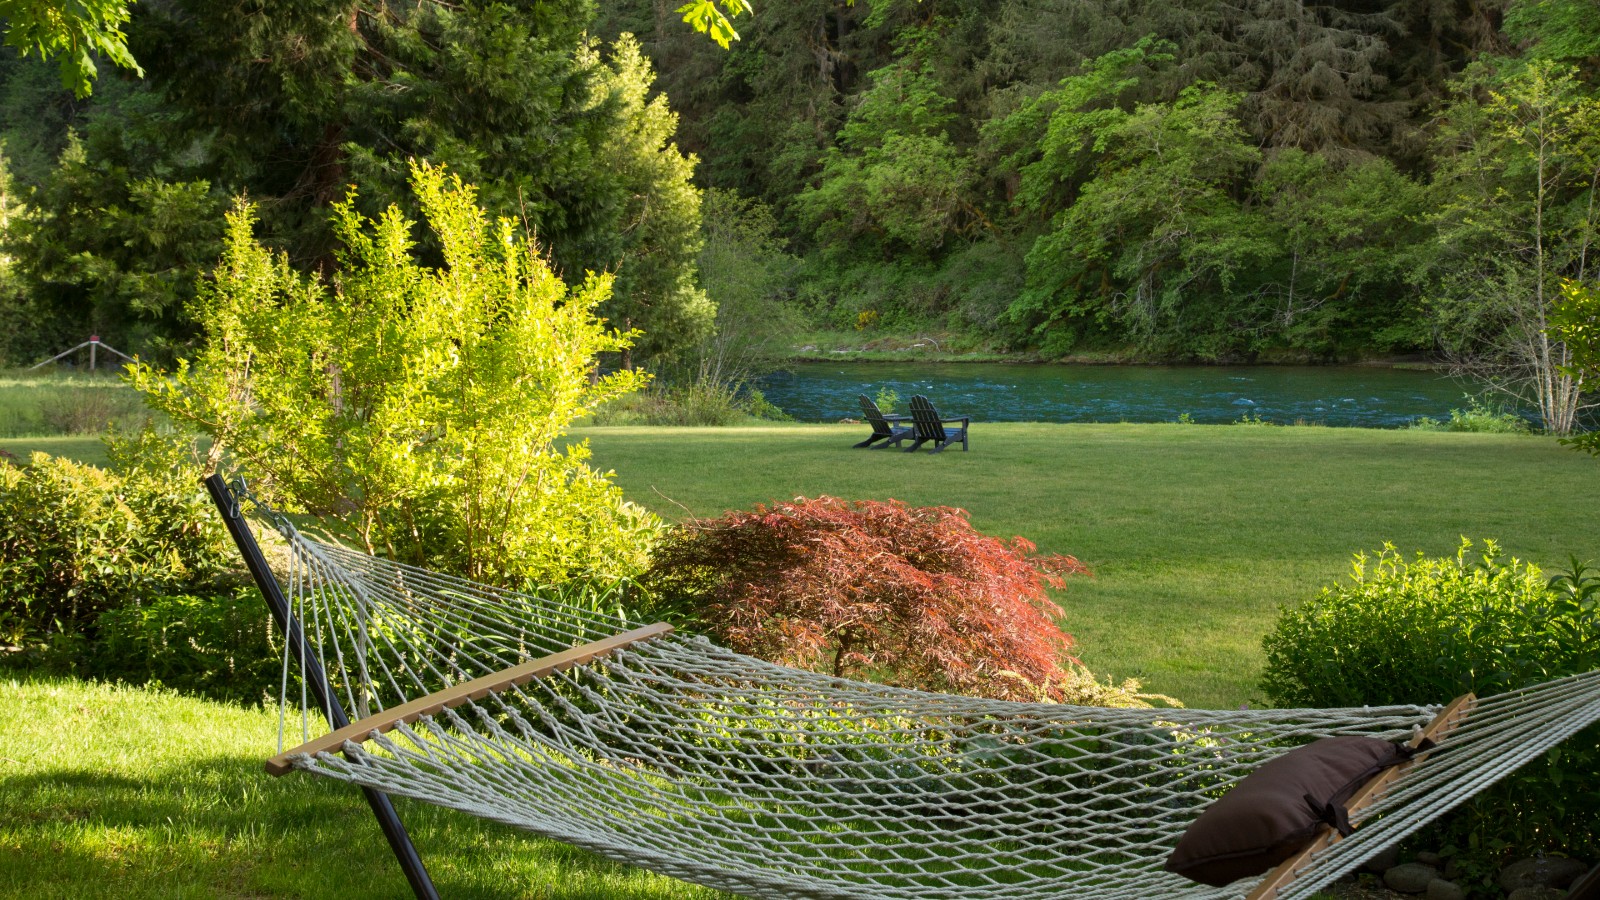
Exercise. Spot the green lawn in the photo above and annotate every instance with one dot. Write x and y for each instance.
(81, 448)
(1196, 533)
(118, 792)
(53, 402)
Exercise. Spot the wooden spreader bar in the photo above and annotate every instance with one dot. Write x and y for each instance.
(1445, 722)
(455, 695)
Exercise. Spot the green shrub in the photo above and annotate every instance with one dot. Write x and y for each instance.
(419, 401)
(221, 646)
(77, 541)
(1479, 417)
(1430, 629)
(756, 404)
(69, 545)
(699, 402)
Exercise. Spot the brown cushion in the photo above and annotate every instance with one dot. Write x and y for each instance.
(1272, 813)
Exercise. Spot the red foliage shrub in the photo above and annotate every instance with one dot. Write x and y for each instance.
(912, 596)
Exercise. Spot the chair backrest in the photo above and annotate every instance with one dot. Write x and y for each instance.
(926, 420)
(880, 425)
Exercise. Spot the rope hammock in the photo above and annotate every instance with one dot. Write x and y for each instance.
(666, 751)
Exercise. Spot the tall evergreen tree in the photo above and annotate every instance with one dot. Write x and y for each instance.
(112, 246)
(297, 100)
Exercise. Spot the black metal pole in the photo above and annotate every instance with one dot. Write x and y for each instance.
(316, 679)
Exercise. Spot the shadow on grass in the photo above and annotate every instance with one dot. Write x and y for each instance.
(219, 827)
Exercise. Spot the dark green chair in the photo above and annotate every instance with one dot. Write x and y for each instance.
(930, 426)
(883, 427)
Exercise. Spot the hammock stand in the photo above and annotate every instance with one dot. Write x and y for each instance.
(770, 782)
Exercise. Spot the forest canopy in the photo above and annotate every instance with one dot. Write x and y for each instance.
(1186, 180)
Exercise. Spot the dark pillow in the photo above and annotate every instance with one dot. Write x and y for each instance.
(1273, 812)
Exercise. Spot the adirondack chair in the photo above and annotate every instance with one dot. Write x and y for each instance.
(930, 426)
(883, 428)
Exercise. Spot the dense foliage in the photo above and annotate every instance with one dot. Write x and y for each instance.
(73, 33)
(1185, 180)
(418, 408)
(289, 105)
(1188, 180)
(1577, 325)
(911, 595)
(221, 644)
(1427, 630)
(76, 540)
(122, 573)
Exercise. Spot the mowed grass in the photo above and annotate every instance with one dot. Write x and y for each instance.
(51, 402)
(1196, 534)
(84, 449)
(133, 793)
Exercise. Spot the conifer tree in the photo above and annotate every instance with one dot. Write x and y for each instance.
(295, 102)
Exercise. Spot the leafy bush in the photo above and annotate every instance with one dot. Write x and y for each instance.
(1479, 417)
(699, 402)
(1427, 630)
(221, 646)
(76, 541)
(1576, 323)
(79, 544)
(910, 595)
(420, 409)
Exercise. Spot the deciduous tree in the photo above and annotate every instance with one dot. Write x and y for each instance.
(419, 409)
(1576, 323)
(72, 31)
(912, 595)
(895, 180)
(1518, 210)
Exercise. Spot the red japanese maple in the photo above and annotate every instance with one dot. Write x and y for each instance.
(908, 595)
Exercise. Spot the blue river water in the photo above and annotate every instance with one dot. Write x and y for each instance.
(1360, 396)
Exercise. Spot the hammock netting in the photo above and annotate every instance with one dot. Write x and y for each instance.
(727, 771)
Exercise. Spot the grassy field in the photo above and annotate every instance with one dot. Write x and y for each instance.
(1196, 534)
(118, 792)
(55, 403)
(81, 448)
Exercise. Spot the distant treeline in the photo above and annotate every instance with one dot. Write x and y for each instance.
(1188, 179)
(1181, 179)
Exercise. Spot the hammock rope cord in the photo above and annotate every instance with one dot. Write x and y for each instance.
(730, 772)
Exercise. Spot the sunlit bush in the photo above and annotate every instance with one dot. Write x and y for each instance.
(1428, 629)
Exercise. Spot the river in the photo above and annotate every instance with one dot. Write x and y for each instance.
(1360, 396)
